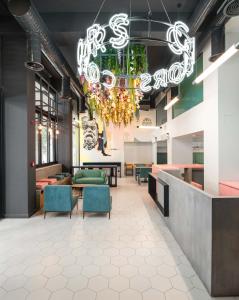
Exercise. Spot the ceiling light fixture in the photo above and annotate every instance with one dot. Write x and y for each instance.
(177, 39)
(147, 127)
(171, 103)
(220, 61)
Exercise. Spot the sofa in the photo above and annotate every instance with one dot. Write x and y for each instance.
(89, 177)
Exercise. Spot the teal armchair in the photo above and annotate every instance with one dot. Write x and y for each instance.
(90, 177)
(144, 174)
(59, 198)
(97, 199)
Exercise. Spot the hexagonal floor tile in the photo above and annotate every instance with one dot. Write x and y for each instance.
(154, 260)
(52, 271)
(77, 283)
(109, 271)
(127, 252)
(50, 260)
(111, 251)
(128, 271)
(56, 283)
(167, 271)
(63, 294)
(67, 260)
(119, 260)
(34, 270)
(13, 283)
(143, 252)
(101, 260)
(153, 294)
(119, 283)
(147, 270)
(181, 283)
(136, 260)
(161, 283)
(174, 294)
(19, 294)
(90, 270)
(85, 294)
(72, 271)
(107, 295)
(140, 283)
(130, 295)
(84, 260)
(41, 294)
(98, 283)
(35, 283)
(186, 271)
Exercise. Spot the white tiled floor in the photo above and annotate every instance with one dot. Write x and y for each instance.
(133, 256)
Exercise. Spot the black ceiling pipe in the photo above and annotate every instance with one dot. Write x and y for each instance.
(33, 61)
(217, 43)
(65, 88)
(28, 17)
(203, 8)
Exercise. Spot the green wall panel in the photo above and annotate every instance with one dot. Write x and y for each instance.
(198, 158)
(161, 158)
(190, 95)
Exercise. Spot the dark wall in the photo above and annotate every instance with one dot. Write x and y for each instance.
(19, 130)
(1, 139)
(65, 137)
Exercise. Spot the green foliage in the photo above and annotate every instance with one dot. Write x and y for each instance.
(131, 60)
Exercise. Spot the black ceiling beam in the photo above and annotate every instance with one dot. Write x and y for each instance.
(78, 22)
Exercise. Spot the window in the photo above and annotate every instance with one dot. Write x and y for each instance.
(46, 116)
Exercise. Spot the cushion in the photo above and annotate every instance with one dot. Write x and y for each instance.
(91, 180)
(48, 180)
(41, 185)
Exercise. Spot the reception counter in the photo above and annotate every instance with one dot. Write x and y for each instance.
(206, 228)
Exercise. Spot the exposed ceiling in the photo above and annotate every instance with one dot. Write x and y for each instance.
(49, 6)
(68, 21)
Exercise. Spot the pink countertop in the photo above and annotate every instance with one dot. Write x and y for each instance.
(232, 184)
(177, 166)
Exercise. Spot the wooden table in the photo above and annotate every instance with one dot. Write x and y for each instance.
(112, 168)
(80, 186)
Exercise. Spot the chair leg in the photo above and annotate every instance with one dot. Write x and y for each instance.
(44, 214)
(109, 215)
(83, 214)
(70, 214)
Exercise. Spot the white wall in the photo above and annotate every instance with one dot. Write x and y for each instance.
(138, 152)
(217, 116)
(116, 143)
(203, 117)
(229, 109)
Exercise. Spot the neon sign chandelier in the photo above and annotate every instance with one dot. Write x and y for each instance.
(177, 39)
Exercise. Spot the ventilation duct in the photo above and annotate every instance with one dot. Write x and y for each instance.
(230, 8)
(66, 88)
(33, 61)
(217, 43)
(30, 20)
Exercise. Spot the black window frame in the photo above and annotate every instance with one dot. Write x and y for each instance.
(46, 114)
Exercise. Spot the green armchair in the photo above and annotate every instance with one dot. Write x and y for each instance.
(97, 199)
(59, 198)
(89, 177)
(144, 174)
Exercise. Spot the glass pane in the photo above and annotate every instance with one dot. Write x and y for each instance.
(44, 145)
(36, 145)
(52, 147)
